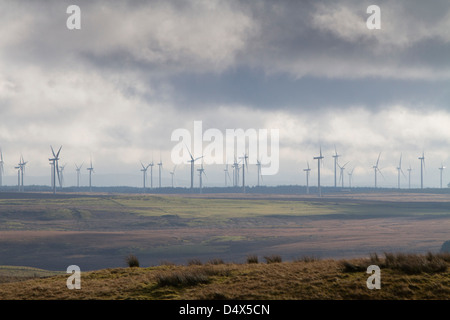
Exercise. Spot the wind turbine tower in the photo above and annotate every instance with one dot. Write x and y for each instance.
(399, 169)
(441, 169)
(227, 175)
(319, 162)
(201, 172)
(61, 176)
(350, 176)
(341, 175)
(55, 167)
(78, 174)
(244, 166)
(151, 174)
(258, 164)
(335, 156)
(159, 167)
(144, 173)
(172, 173)
(192, 167)
(409, 176)
(376, 169)
(422, 166)
(91, 170)
(308, 171)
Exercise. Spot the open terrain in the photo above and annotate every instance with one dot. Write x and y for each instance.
(96, 231)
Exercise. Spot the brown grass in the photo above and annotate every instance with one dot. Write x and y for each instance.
(316, 279)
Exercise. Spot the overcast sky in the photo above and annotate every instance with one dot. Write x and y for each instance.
(116, 89)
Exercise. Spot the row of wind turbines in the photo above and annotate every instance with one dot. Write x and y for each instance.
(57, 171)
(375, 167)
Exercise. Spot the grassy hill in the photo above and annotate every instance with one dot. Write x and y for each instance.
(403, 276)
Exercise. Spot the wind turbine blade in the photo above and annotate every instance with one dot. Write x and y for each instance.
(378, 159)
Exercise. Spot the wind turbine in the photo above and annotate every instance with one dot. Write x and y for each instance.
(308, 171)
(350, 176)
(341, 176)
(192, 167)
(201, 172)
(78, 174)
(409, 176)
(441, 169)
(319, 162)
(18, 176)
(399, 169)
(159, 167)
(335, 156)
(235, 167)
(55, 167)
(172, 173)
(61, 180)
(151, 173)
(244, 166)
(258, 164)
(227, 175)
(91, 170)
(22, 164)
(422, 166)
(376, 169)
(144, 173)
(1, 168)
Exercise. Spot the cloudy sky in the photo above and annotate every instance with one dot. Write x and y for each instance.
(116, 89)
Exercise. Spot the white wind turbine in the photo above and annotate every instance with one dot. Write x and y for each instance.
(422, 166)
(159, 168)
(409, 176)
(192, 161)
(78, 168)
(61, 175)
(319, 162)
(201, 172)
(335, 156)
(55, 167)
(341, 175)
(227, 175)
(172, 173)
(350, 177)
(376, 169)
(258, 164)
(399, 169)
(308, 171)
(244, 166)
(144, 174)
(441, 169)
(91, 170)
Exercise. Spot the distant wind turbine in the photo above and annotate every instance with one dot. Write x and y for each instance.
(409, 176)
(376, 169)
(160, 167)
(258, 164)
(335, 156)
(201, 172)
(244, 166)
(341, 175)
(319, 162)
(441, 169)
(422, 166)
(78, 168)
(399, 169)
(227, 175)
(55, 167)
(172, 173)
(91, 170)
(61, 175)
(192, 167)
(350, 177)
(235, 167)
(22, 164)
(308, 171)
(144, 174)
(151, 173)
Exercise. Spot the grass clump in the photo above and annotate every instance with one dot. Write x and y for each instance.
(416, 264)
(132, 261)
(275, 258)
(253, 258)
(194, 262)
